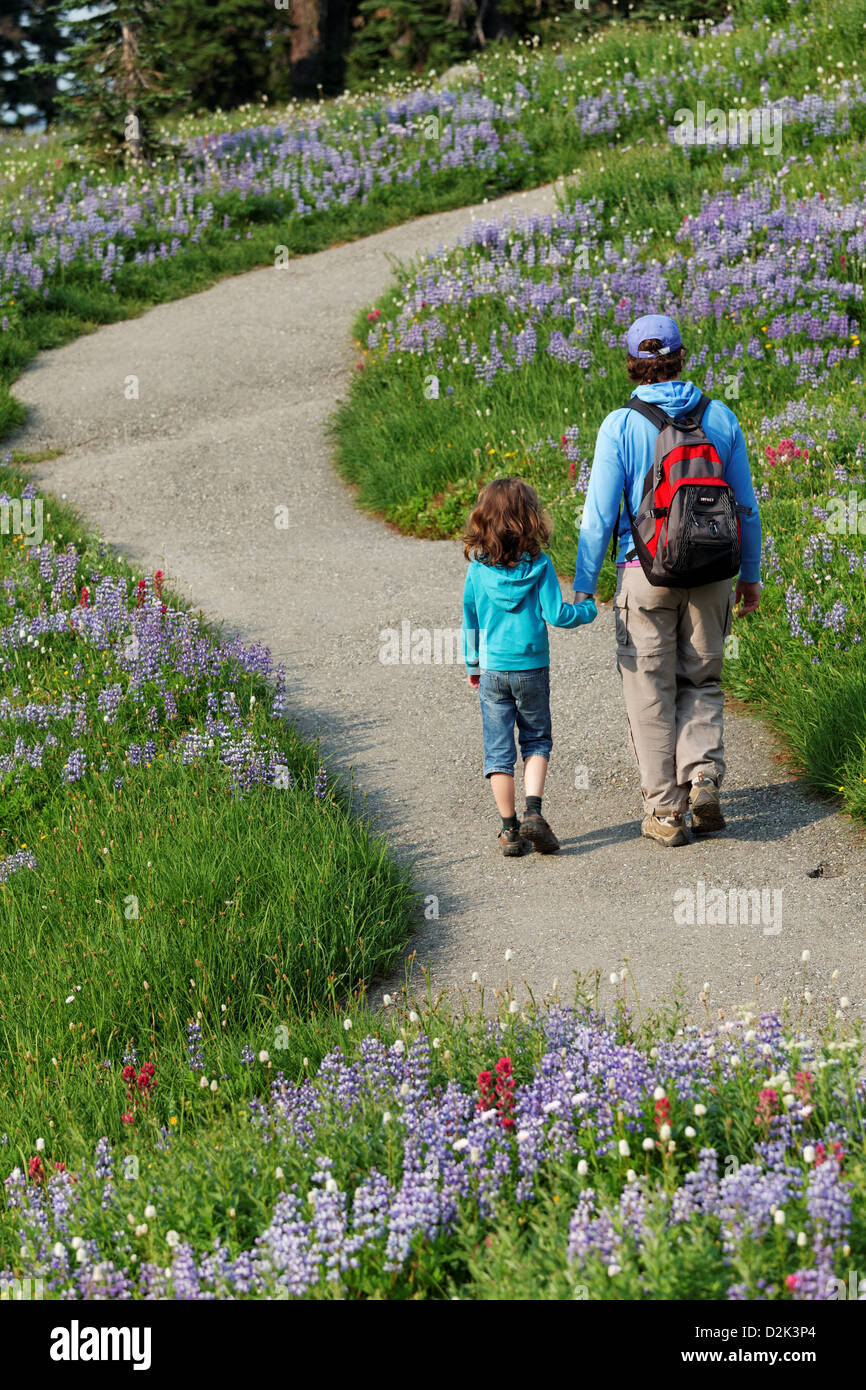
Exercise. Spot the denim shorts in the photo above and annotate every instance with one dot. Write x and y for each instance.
(509, 698)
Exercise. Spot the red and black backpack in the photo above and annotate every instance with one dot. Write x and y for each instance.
(687, 531)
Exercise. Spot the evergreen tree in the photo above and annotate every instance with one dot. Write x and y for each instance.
(408, 37)
(116, 79)
(11, 48)
(27, 33)
(227, 49)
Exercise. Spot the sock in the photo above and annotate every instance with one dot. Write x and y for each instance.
(510, 823)
(533, 804)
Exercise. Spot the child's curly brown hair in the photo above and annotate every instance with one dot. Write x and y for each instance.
(506, 523)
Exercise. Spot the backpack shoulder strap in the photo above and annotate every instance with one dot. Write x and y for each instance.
(657, 417)
(653, 413)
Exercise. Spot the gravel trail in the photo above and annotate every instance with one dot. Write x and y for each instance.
(236, 386)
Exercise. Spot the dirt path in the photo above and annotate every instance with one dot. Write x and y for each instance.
(236, 385)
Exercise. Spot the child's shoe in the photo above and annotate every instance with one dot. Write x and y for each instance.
(511, 844)
(534, 828)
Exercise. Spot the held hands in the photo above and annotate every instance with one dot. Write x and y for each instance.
(750, 594)
(580, 597)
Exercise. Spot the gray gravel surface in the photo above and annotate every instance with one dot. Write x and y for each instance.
(236, 386)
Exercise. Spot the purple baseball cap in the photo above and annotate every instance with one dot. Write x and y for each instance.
(654, 326)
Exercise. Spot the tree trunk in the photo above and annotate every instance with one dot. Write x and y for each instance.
(306, 55)
(130, 81)
(458, 11)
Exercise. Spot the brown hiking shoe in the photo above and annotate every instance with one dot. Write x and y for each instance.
(534, 828)
(667, 830)
(511, 843)
(705, 806)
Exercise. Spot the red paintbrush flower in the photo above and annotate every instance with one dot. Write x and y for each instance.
(803, 1084)
(766, 1109)
(662, 1112)
(486, 1093)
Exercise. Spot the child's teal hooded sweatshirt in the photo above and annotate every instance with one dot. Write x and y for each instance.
(506, 610)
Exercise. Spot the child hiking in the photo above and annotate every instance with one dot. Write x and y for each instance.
(510, 596)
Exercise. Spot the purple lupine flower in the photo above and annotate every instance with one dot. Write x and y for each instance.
(76, 766)
(195, 1058)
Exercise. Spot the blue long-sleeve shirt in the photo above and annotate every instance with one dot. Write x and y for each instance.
(624, 453)
(506, 610)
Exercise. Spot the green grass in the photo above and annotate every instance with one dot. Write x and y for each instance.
(170, 897)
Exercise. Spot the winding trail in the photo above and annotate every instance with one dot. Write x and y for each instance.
(236, 386)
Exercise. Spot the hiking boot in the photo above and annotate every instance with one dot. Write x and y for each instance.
(667, 830)
(534, 828)
(705, 806)
(511, 844)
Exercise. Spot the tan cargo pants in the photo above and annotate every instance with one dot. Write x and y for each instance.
(669, 648)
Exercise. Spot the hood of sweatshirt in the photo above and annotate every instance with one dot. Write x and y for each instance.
(676, 397)
(507, 586)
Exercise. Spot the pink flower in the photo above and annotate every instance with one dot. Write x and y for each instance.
(767, 1107)
(803, 1084)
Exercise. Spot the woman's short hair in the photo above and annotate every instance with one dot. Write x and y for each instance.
(645, 371)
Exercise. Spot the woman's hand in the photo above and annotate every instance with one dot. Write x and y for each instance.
(474, 679)
(750, 594)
